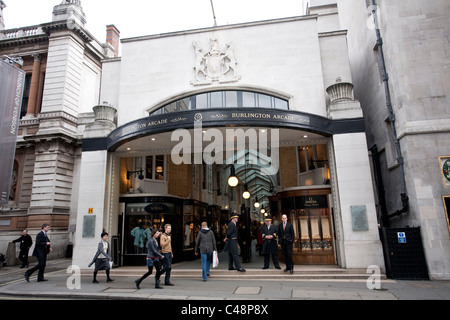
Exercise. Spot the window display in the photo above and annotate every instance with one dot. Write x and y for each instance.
(309, 211)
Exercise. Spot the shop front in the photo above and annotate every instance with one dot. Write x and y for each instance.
(309, 211)
(140, 215)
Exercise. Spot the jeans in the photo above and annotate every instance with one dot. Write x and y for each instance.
(206, 263)
(167, 262)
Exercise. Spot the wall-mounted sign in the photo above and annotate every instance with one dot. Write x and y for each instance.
(444, 163)
(244, 117)
(311, 202)
(156, 208)
(401, 236)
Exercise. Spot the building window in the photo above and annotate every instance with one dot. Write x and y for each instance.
(26, 95)
(313, 165)
(155, 167)
(224, 99)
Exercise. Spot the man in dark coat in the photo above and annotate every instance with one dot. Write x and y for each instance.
(25, 244)
(41, 249)
(270, 244)
(287, 236)
(231, 245)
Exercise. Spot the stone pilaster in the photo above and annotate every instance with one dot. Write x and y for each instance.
(95, 186)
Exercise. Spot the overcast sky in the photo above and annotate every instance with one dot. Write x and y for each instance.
(144, 17)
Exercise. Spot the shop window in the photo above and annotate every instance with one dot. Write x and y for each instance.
(310, 214)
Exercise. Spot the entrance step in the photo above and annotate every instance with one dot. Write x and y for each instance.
(300, 273)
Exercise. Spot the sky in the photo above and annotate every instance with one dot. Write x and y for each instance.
(136, 18)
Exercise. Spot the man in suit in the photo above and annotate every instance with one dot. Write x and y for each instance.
(287, 236)
(231, 245)
(41, 249)
(270, 243)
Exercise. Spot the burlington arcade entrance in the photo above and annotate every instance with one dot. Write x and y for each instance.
(176, 164)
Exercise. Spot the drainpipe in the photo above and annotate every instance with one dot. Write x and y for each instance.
(400, 161)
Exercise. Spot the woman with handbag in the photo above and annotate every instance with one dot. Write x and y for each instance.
(102, 258)
(153, 259)
(206, 242)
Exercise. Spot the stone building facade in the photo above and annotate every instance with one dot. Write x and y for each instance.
(96, 137)
(415, 44)
(63, 67)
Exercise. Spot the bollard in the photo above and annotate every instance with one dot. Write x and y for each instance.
(11, 254)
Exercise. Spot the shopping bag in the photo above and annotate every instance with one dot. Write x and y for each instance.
(215, 259)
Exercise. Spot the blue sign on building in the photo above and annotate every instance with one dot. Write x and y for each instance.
(401, 237)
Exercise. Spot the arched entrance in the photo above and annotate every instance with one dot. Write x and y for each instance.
(265, 146)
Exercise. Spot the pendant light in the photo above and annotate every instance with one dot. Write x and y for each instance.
(246, 193)
(256, 204)
(232, 180)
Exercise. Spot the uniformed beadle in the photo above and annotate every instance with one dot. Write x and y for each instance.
(231, 245)
(270, 243)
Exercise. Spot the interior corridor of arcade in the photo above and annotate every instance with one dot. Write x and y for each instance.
(155, 191)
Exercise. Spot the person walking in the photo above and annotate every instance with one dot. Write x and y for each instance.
(231, 245)
(25, 244)
(42, 248)
(205, 244)
(270, 244)
(153, 259)
(166, 249)
(102, 258)
(286, 239)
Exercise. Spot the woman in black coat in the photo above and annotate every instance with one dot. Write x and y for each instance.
(153, 259)
(102, 258)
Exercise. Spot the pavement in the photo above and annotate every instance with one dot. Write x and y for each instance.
(307, 283)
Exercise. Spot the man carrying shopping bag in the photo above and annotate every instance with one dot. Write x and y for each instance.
(206, 244)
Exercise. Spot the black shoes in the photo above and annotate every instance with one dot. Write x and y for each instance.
(240, 270)
(138, 282)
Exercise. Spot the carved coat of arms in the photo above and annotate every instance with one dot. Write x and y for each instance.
(215, 65)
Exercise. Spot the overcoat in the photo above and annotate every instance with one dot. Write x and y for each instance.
(269, 246)
(231, 246)
(101, 263)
